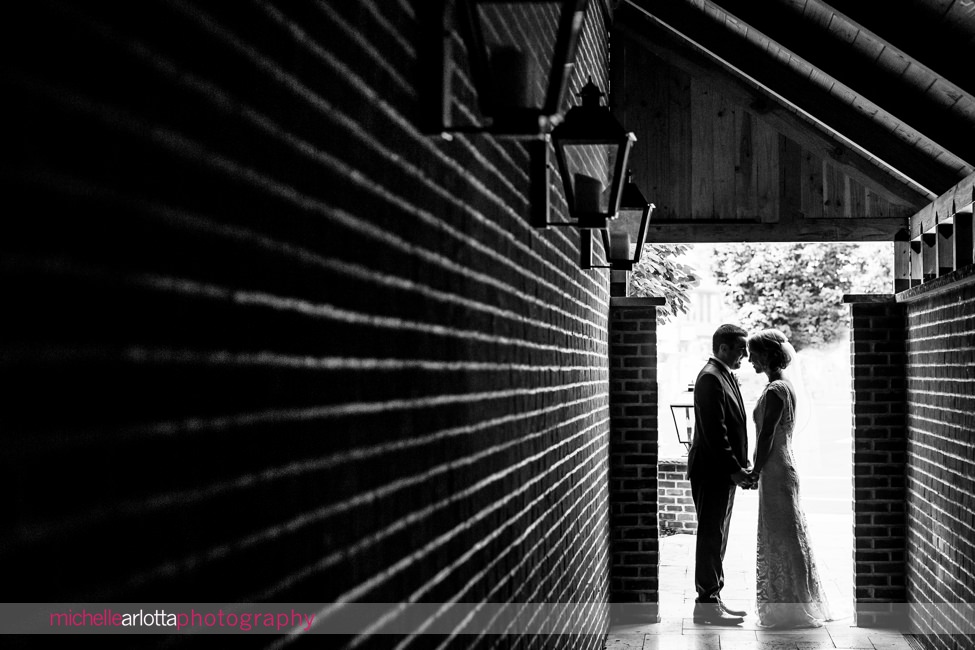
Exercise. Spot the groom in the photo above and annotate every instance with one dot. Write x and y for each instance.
(717, 464)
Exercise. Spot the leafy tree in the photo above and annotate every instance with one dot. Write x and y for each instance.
(798, 288)
(660, 273)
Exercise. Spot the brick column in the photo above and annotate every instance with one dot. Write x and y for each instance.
(879, 360)
(633, 458)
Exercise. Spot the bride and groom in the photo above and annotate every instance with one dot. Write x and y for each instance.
(789, 592)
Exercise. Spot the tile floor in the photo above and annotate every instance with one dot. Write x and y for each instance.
(831, 531)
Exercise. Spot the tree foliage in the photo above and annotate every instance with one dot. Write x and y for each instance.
(798, 288)
(660, 273)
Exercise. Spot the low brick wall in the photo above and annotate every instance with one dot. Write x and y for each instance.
(675, 512)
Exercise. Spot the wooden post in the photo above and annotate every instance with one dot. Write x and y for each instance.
(964, 253)
(916, 272)
(945, 246)
(902, 261)
(929, 254)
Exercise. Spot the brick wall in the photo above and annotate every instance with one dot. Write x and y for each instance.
(940, 460)
(677, 511)
(266, 341)
(879, 446)
(633, 453)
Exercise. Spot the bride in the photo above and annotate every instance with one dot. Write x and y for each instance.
(789, 592)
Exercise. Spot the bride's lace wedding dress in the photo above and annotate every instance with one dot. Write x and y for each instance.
(789, 592)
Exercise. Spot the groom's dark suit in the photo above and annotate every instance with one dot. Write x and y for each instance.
(719, 449)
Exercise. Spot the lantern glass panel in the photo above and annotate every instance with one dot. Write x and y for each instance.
(519, 60)
(623, 234)
(684, 423)
(589, 170)
(682, 410)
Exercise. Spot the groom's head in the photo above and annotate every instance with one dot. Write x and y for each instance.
(729, 345)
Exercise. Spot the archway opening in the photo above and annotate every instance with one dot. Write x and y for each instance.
(732, 287)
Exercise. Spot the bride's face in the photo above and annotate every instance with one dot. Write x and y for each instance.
(758, 360)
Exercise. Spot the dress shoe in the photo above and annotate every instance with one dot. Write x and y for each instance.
(712, 614)
(731, 612)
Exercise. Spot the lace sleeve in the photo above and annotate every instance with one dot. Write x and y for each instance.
(785, 393)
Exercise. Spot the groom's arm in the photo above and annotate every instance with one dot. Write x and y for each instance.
(711, 416)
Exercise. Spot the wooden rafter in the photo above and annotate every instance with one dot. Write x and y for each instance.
(787, 119)
(956, 198)
(871, 68)
(746, 49)
(938, 35)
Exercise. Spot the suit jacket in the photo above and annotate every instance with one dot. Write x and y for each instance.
(720, 445)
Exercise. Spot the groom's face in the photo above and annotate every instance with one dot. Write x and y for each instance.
(733, 354)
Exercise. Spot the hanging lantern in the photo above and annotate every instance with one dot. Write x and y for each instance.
(624, 236)
(591, 149)
(683, 412)
(521, 55)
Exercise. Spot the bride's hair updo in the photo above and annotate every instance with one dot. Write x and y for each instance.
(776, 347)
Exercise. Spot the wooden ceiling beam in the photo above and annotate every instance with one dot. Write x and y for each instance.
(812, 136)
(774, 72)
(868, 65)
(945, 205)
(940, 39)
(799, 230)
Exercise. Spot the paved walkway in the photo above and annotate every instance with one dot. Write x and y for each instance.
(831, 528)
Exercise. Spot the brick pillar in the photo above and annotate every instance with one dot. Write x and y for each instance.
(633, 458)
(879, 359)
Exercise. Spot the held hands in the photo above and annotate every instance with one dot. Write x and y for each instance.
(745, 479)
(752, 481)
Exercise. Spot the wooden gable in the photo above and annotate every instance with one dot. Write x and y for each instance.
(724, 162)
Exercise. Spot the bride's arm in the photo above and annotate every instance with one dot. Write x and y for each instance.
(763, 445)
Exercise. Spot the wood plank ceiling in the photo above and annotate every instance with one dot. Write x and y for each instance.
(795, 120)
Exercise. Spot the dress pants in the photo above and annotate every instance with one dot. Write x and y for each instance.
(713, 500)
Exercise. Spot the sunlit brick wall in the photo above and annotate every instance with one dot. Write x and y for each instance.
(266, 341)
(877, 363)
(633, 451)
(941, 463)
